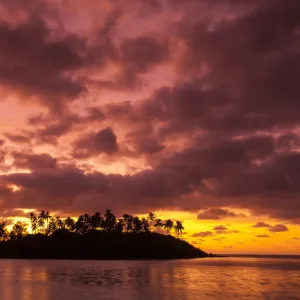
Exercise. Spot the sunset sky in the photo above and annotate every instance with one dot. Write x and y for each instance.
(188, 108)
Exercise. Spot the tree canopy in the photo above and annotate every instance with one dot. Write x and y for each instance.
(44, 223)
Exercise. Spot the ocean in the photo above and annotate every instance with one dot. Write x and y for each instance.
(206, 278)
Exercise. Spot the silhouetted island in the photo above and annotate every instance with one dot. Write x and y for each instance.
(99, 245)
(94, 237)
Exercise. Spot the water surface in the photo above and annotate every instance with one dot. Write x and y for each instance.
(208, 278)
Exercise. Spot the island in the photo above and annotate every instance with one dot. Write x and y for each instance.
(92, 237)
(99, 245)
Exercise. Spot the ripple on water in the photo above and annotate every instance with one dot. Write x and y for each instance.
(211, 278)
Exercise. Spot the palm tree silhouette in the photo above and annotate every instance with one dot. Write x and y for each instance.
(128, 222)
(41, 220)
(169, 226)
(52, 225)
(96, 221)
(47, 218)
(33, 221)
(158, 223)
(178, 228)
(19, 230)
(3, 231)
(79, 225)
(83, 224)
(109, 221)
(151, 218)
(145, 225)
(69, 224)
(120, 226)
(137, 225)
(59, 223)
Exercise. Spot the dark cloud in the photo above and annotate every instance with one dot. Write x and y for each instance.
(73, 190)
(48, 128)
(56, 187)
(54, 65)
(33, 161)
(18, 138)
(94, 114)
(12, 213)
(2, 154)
(279, 228)
(217, 214)
(145, 141)
(221, 232)
(181, 108)
(148, 146)
(237, 48)
(202, 234)
(288, 142)
(184, 172)
(40, 69)
(261, 225)
(234, 173)
(220, 227)
(103, 141)
(6, 197)
(262, 236)
(139, 54)
(225, 129)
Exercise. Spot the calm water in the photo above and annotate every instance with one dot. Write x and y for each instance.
(214, 278)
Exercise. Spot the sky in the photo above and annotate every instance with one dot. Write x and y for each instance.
(186, 108)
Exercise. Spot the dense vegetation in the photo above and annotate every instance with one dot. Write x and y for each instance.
(95, 237)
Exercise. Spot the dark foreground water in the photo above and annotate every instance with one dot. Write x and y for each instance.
(209, 278)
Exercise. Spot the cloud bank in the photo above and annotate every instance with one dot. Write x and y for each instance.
(200, 116)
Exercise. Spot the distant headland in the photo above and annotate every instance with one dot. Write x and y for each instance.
(95, 237)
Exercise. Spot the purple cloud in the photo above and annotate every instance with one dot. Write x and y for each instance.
(279, 228)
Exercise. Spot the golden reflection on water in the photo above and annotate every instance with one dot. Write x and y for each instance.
(28, 291)
(19, 280)
(215, 278)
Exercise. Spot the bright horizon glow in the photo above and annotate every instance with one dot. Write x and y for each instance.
(244, 241)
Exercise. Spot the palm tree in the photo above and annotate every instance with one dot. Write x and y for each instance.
(145, 225)
(151, 218)
(79, 225)
(96, 221)
(52, 225)
(178, 228)
(137, 225)
(41, 224)
(41, 220)
(83, 224)
(3, 231)
(59, 223)
(119, 226)
(33, 221)
(19, 230)
(69, 224)
(168, 226)
(128, 222)
(47, 218)
(158, 223)
(110, 221)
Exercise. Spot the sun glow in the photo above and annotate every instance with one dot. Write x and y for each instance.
(14, 187)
